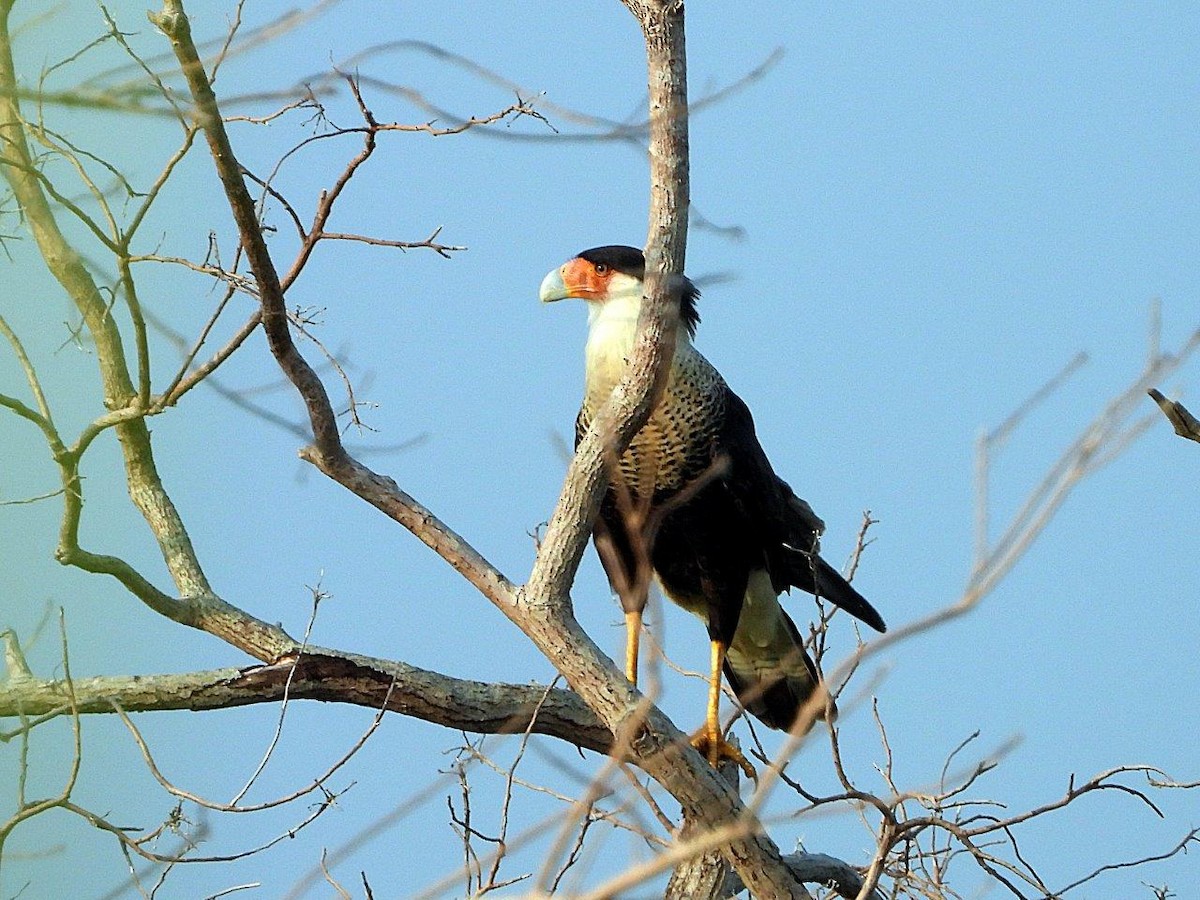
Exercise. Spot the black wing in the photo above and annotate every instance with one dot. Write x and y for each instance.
(786, 526)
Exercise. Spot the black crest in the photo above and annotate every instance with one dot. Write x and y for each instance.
(630, 261)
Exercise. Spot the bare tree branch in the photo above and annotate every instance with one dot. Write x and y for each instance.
(816, 868)
(542, 608)
(917, 832)
(1185, 424)
(479, 707)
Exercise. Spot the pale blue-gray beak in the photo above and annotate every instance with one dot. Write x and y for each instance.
(553, 287)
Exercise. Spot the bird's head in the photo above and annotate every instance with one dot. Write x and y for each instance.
(612, 273)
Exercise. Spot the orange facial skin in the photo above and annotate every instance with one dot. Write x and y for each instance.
(585, 280)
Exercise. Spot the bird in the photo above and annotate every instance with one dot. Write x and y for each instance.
(694, 501)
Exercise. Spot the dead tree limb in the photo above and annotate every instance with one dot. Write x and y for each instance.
(1185, 424)
(542, 608)
(460, 704)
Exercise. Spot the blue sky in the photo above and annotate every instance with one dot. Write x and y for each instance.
(941, 206)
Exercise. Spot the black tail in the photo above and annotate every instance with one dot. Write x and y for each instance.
(809, 572)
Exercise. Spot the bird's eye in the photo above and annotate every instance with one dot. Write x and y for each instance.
(601, 268)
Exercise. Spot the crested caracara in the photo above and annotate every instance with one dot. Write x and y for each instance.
(694, 500)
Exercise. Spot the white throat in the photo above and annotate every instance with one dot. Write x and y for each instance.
(612, 328)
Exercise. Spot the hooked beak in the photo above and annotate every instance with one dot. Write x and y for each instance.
(553, 287)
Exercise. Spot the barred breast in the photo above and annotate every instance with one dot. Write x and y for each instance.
(676, 445)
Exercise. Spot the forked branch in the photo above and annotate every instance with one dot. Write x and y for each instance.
(542, 608)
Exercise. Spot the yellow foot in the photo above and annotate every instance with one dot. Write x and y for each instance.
(714, 748)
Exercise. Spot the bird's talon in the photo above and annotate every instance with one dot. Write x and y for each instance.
(716, 750)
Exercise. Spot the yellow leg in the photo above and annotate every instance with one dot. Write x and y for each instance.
(709, 740)
(633, 638)
(712, 719)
